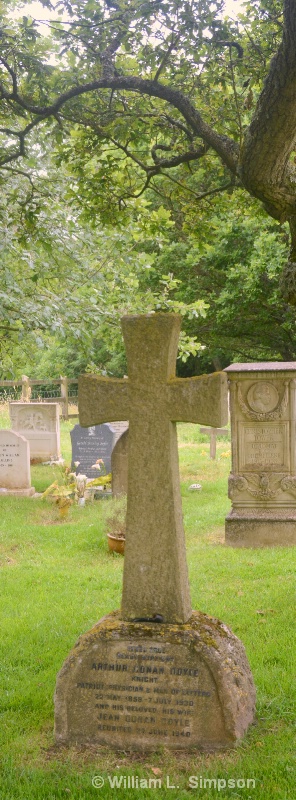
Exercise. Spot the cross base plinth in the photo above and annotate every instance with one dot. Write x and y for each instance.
(142, 685)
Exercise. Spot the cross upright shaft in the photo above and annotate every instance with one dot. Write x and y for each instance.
(155, 579)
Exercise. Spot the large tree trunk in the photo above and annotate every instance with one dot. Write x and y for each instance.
(267, 166)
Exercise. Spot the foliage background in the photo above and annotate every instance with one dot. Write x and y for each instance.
(114, 205)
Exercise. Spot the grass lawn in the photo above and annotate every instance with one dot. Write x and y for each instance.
(58, 579)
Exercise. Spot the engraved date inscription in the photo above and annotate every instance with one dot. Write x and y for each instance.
(263, 446)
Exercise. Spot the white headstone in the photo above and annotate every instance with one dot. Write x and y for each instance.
(15, 476)
(39, 423)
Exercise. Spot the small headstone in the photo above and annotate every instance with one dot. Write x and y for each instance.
(15, 474)
(262, 483)
(94, 443)
(155, 673)
(39, 423)
(213, 433)
(119, 465)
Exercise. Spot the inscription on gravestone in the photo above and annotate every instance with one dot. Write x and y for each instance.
(142, 686)
(264, 446)
(154, 673)
(92, 443)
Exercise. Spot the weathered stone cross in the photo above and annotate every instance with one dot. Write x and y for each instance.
(155, 580)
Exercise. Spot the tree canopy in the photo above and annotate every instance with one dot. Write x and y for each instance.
(120, 110)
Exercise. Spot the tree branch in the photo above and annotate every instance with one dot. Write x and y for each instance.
(11, 73)
(179, 125)
(22, 172)
(138, 194)
(225, 147)
(201, 196)
(239, 48)
(166, 56)
(184, 158)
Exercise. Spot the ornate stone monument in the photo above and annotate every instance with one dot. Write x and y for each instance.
(262, 484)
(39, 423)
(155, 673)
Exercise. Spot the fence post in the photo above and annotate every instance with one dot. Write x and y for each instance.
(26, 389)
(64, 395)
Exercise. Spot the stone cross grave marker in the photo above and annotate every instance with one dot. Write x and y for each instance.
(152, 399)
(154, 673)
(213, 433)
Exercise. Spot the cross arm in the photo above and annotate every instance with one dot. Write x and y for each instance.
(201, 399)
(102, 399)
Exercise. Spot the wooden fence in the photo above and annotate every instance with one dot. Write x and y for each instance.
(58, 390)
